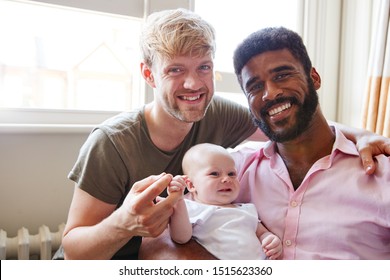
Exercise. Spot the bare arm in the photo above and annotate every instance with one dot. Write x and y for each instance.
(368, 144)
(270, 243)
(180, 227)
(95, 230)
(84, 231)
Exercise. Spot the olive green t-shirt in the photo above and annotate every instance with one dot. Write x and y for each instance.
(119, 152)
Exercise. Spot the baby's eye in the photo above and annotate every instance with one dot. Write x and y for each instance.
(214, 173)
(232, 174)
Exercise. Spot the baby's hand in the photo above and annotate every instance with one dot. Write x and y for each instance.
(272, 245)
(178, 184)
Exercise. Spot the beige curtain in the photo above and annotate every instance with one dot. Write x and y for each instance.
(376, 111)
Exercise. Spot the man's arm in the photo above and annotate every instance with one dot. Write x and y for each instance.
(369, 144)
(95, 231)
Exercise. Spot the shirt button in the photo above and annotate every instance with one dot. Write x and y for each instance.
(288, 242)
(294, 203)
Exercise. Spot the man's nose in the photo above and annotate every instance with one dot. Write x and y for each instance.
(271, 91)
(192, 81)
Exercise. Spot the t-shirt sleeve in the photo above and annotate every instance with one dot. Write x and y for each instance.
(99, 169)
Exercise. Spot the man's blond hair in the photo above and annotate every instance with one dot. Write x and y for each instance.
(171, 33)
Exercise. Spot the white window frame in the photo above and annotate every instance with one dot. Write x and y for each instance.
(31, 120)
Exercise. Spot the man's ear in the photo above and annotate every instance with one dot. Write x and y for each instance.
(147, 74)
(316, 78)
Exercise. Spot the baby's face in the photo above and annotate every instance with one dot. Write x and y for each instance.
(215, 180)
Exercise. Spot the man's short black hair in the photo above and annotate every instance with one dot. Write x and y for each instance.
(270, 39)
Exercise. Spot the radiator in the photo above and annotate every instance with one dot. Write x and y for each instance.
(25, 246)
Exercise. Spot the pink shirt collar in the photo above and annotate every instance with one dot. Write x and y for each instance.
(341, 144)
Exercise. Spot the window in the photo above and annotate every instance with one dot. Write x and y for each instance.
(80, 65)
(54, 57)
(233, 21)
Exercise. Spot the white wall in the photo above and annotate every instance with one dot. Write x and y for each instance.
(34, 189)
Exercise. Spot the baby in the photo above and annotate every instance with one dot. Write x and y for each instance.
(227, 230)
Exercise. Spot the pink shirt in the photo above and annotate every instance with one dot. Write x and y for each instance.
(338, 212)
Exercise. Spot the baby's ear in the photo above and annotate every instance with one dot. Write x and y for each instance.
(190, 185)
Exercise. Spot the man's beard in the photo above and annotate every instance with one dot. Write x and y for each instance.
(189, 116)
(303, 116)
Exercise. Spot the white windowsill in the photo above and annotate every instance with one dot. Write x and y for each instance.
(30, 121)
(44, 128)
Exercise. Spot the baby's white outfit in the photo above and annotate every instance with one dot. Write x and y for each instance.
(229, 233)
